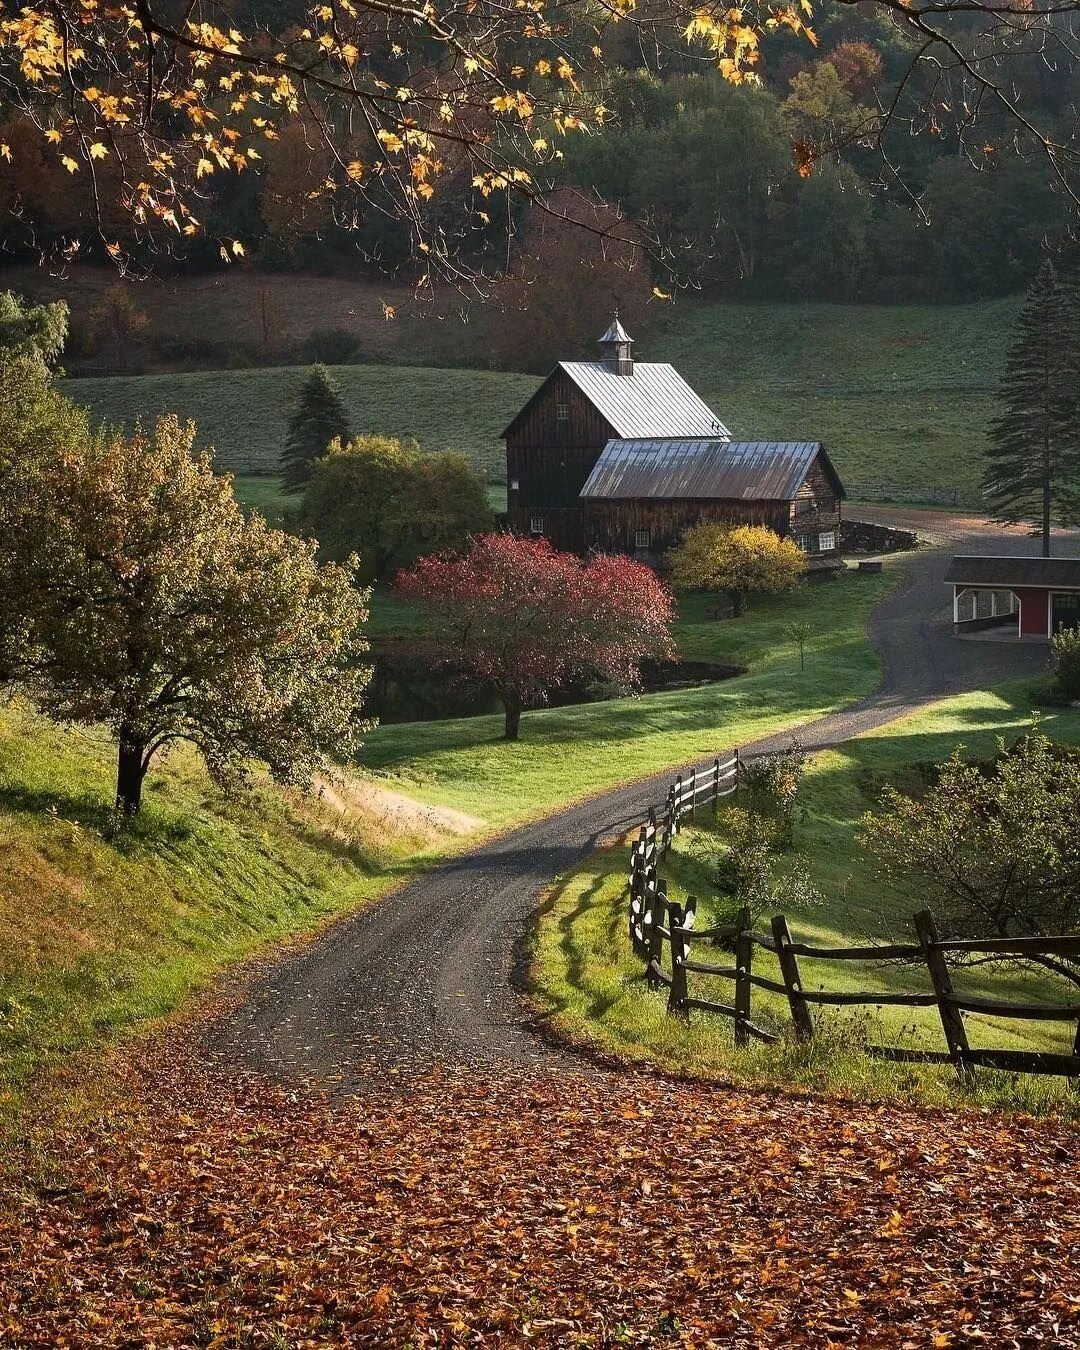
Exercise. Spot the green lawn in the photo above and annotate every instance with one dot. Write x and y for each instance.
(900, 393)
(566, 753)
(587, 975)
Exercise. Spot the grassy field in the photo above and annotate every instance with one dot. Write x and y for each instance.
(901, 394)
(570, 752)
(99, 931)
(586, 974)
(243, 413)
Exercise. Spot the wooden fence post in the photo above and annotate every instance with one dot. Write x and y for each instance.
(716, 787)
(657, 911)
(952, 1021)
(638, 875)
(677, 995)
(744, 957)
(789, 969)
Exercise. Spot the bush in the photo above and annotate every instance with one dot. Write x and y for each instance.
(769, 788)
(1065, 663)
(331, 347)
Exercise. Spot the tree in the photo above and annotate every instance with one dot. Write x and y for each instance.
(739, 559)
(118, 322)
(566, 281)
(318, 418)
(136, 594)
(390, 502)
(1033, 458)
(32, 330)
(151, 106)
(994, 848)
(526, 618)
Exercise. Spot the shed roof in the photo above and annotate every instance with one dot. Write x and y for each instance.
(705, 469)
(653, 400)
(1005, 571)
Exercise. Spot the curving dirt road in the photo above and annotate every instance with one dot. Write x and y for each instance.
(425, 977)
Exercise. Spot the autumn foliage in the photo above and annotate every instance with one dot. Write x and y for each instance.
(741, 560)
(526, 618)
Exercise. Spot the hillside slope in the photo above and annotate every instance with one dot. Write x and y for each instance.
(900, 394)
(98, 930)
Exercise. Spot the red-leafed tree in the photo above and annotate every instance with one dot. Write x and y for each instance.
(526, 618)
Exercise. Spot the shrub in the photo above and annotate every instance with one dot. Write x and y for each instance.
(1065, 663)
(769, 788)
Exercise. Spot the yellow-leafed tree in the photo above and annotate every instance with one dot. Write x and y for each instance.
(738, 559)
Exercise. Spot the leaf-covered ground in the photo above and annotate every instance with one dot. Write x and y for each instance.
(192, 1207)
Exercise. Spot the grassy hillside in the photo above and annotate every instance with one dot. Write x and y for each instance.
(99, 930)
(901, 394)
(586, 972)
(243, 413)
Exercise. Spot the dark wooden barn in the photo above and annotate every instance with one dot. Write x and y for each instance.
(622, 455)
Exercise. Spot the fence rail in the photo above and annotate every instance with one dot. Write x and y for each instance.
(655, 921)
(931, 494)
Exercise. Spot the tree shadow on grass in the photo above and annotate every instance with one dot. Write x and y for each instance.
(90, 811)
(598, 1005)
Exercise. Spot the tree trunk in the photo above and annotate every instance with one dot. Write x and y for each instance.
(737, 603)
(1046, 517)
(513, 717)
(130, 772)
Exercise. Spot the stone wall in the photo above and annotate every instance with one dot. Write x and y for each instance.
(860, 536)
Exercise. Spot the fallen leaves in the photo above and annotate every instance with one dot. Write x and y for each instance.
(203, 1207)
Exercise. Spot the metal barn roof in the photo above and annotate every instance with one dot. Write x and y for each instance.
(654, 400)
(703, 469)
(1003, 571)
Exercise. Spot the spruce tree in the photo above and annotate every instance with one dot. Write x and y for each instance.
(318, 418)
(1033, 460)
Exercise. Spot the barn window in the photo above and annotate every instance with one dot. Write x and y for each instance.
(642, 538)
(804, 506)
(514, 484)
(536, 524)
(562, 412)
(806, 542)
(827, 542)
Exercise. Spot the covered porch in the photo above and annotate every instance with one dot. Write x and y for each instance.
(1014, 598)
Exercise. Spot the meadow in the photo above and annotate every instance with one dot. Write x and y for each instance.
(585, 972)
(901, 394)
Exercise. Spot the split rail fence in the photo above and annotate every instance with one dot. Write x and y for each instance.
(656, 923)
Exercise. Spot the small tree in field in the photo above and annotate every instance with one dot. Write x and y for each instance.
(135, 593)
(996, 851)
(318, 418)
(391, 502)
(741, 560)
(527, 618)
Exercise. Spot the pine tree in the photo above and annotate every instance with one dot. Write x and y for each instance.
(318, 418)
(1033, 460)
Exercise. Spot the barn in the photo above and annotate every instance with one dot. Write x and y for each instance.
(1029, 599)
(622, 455)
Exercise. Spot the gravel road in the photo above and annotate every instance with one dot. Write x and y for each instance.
(424, 978)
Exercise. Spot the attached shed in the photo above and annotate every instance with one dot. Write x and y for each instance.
(1029, 599)
(643, 494)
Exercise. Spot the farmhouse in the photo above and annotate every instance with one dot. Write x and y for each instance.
(622, 455)
(1029, 599)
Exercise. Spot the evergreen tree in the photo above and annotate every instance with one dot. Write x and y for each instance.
(318, 418)
(1033, 461)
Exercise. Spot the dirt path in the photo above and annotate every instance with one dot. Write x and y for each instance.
(425, 978)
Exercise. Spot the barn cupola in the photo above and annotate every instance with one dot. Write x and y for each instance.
(617, 348)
